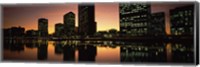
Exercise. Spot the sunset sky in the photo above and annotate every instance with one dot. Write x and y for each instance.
(106, 14)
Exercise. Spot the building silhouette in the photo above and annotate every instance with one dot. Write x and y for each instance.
(113, 31)
(31, 33)
(59, 29)
(86, 17)
(134, 19)
(43, 27)
(157, 26)
(182, 20)
(69, 23)
(14, 32)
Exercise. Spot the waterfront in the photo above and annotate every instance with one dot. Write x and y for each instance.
(77, 51)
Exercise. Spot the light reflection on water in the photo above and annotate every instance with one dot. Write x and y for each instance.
(98, 51)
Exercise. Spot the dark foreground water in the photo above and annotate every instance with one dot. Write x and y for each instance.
(98, 51)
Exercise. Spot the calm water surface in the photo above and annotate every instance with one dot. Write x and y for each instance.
(98, 51)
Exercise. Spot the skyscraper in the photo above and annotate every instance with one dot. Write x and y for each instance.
(86, 16)
(59, 29)
(43, 27)
(182, 20)
(157, 27)
(134, 18)
(69, 23)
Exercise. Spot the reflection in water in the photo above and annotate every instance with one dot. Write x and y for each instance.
(69, 53)
(169, 52)
(58, 48)
(31, 43)
(143, 52)
(97, 51)
(157, 52)
(182, 52)
(87, 53)
(14, 45)
(42, 50)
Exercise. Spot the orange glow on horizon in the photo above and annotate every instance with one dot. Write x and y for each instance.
(108, 55)
(107, 16)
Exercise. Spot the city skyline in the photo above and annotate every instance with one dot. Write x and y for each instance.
(101, 32)
(54, 13)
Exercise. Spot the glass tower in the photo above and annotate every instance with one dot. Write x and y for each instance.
(134, 18)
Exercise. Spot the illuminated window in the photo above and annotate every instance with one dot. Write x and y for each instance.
(176, 33)
(124, 30)
(180, 29)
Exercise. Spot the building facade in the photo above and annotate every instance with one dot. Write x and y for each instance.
(59, 29)
(182, 21)
(134, 19)
(69, 23)
(86, 17)
(43, 27)
(157, 27)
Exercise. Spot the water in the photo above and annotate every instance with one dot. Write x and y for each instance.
(98, 51)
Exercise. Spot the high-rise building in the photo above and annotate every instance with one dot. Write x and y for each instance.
(59, 29)
(43, 27)
(157, 27)
(134, 18)
(69, 23)
(86, 16)
(182, 20)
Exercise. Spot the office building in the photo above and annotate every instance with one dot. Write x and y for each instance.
(134, 19)
(59, 29)
(43, 27)
(157, 27)
(69, 23)
(86, 17)
(182, 21)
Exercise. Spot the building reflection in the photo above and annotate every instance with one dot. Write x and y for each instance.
(183, 52)
(157, 52)
(143, 52)
(130, 51)
(58, 48)
(7, 44)
(69, 53)
(31, 43)
(42, 50)
(87, 53)
(14, 45)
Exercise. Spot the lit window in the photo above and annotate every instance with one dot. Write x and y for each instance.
(180, 29)
(124, 30)
(186, 23)
(145, 29)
